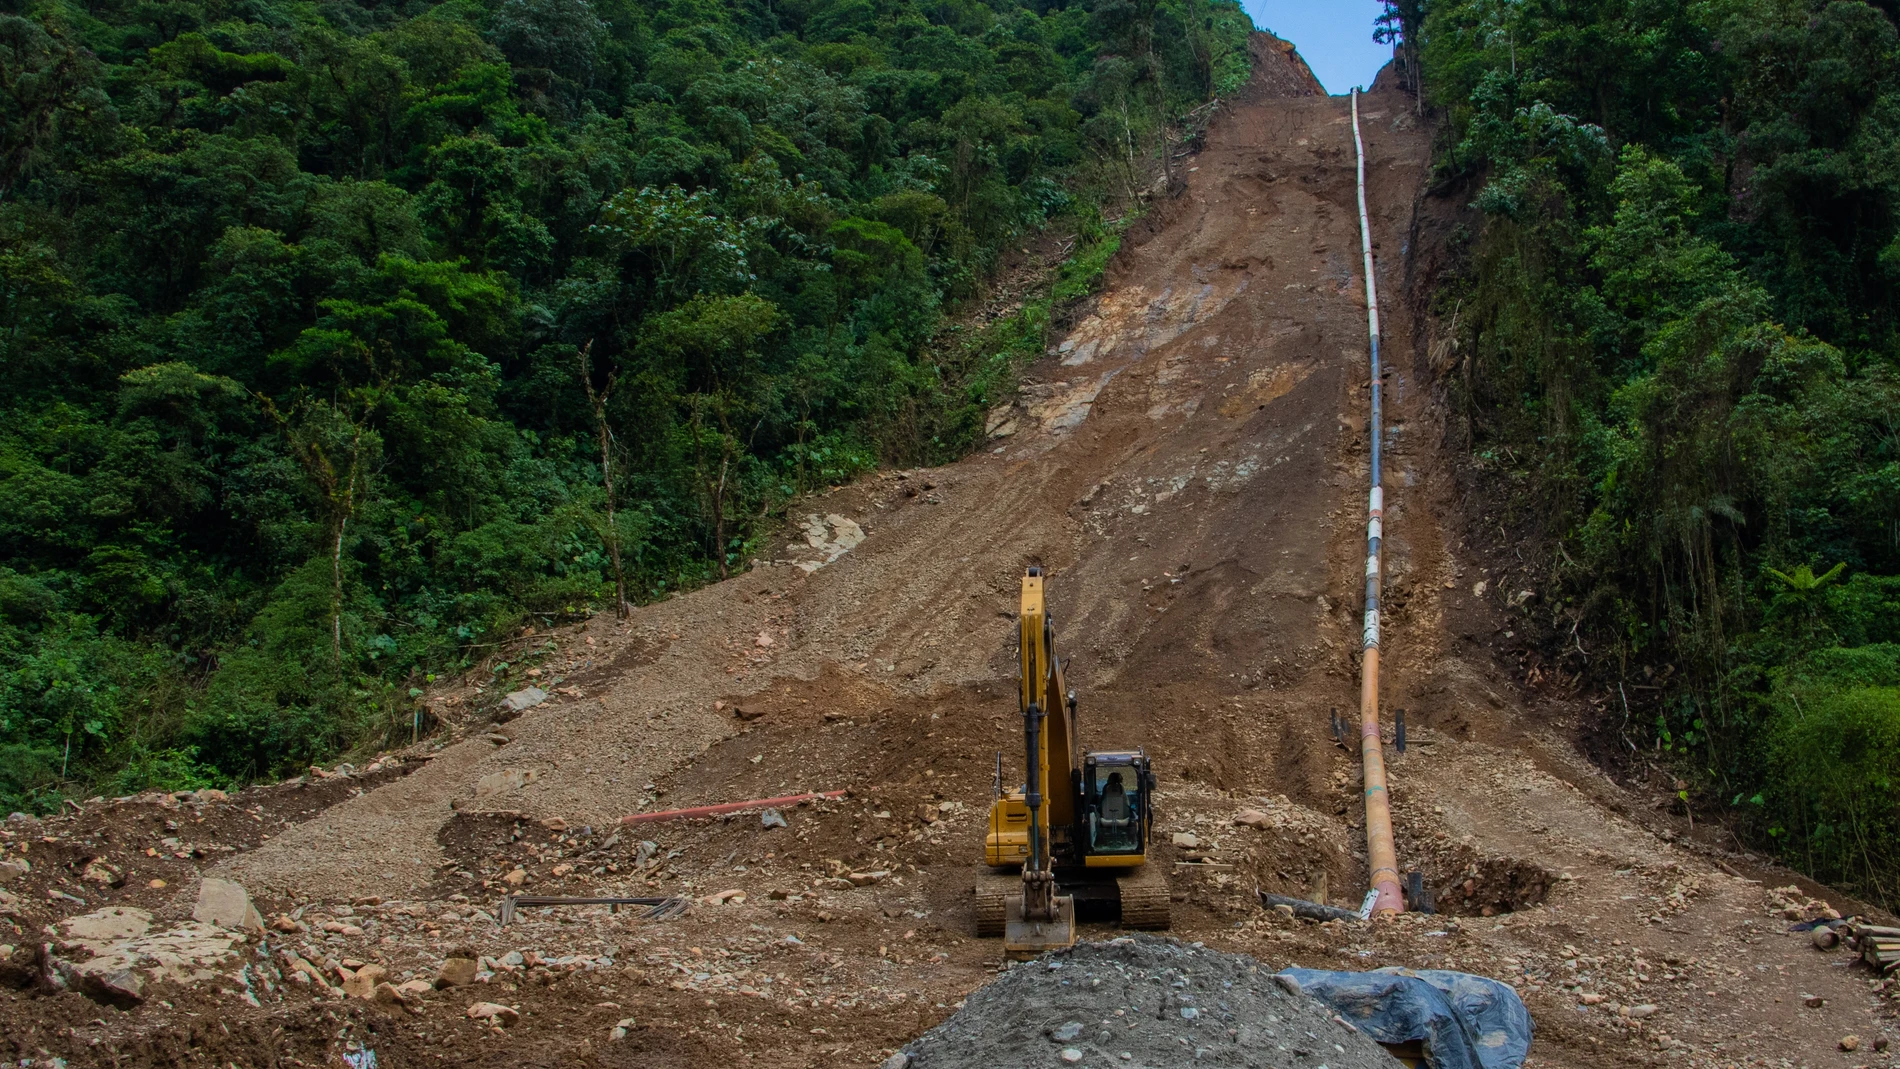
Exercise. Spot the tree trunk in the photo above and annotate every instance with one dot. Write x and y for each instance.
(598, 400)
(719, 512)
(345, 507)
(336, 595)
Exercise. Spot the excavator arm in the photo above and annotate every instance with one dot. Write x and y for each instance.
(1041, 919)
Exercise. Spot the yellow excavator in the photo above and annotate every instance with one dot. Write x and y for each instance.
(1079, 827)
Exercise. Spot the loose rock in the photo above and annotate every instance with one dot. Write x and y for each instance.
(523, 700)
(362, 983)
(1243, 1017)
(227, 905)
(103, 874)
(494, 1011)
(457, 971)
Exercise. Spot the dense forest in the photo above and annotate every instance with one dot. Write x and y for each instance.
(343, 338)
(1677, 321)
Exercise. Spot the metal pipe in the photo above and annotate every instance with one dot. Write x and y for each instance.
(1381, 856)
(1310, 910)
(729, 807)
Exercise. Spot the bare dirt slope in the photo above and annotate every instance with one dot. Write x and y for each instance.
(1190, 465)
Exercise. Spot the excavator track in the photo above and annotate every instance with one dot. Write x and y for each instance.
(993, 891)
(1146, 900)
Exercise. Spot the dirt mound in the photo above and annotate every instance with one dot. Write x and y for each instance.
(1143, 1001)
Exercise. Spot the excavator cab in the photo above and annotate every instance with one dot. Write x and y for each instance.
(1115, 791)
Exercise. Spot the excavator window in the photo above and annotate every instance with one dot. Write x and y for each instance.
(1115, 810)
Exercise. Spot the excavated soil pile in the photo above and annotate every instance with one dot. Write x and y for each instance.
(1143, 1001)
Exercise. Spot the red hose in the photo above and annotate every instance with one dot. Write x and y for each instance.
(728, 807)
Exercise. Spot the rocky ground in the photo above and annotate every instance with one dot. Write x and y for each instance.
(1189, 465)
(1142, 1002)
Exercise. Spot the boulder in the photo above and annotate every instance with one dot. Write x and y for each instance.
(102, 926)
(99, 872)
(362, 983)
(457, 971)
(12, 868)
(113, 983)
(494, 1012)
(523, 700)
(1253, 818)
(389, 995)
(227, 905)
(121, 953)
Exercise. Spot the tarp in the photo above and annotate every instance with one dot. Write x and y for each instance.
(1464, 1021)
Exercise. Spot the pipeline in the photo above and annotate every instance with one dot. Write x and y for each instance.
(1313, 911)
(1381, 857)
(728, 807)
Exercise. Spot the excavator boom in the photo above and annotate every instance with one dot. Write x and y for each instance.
(1040, 919)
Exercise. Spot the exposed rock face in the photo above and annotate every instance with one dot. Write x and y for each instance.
(111, 955)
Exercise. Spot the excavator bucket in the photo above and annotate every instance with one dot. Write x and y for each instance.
(1024, 939)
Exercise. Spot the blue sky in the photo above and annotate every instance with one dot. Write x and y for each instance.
(1335, 36)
